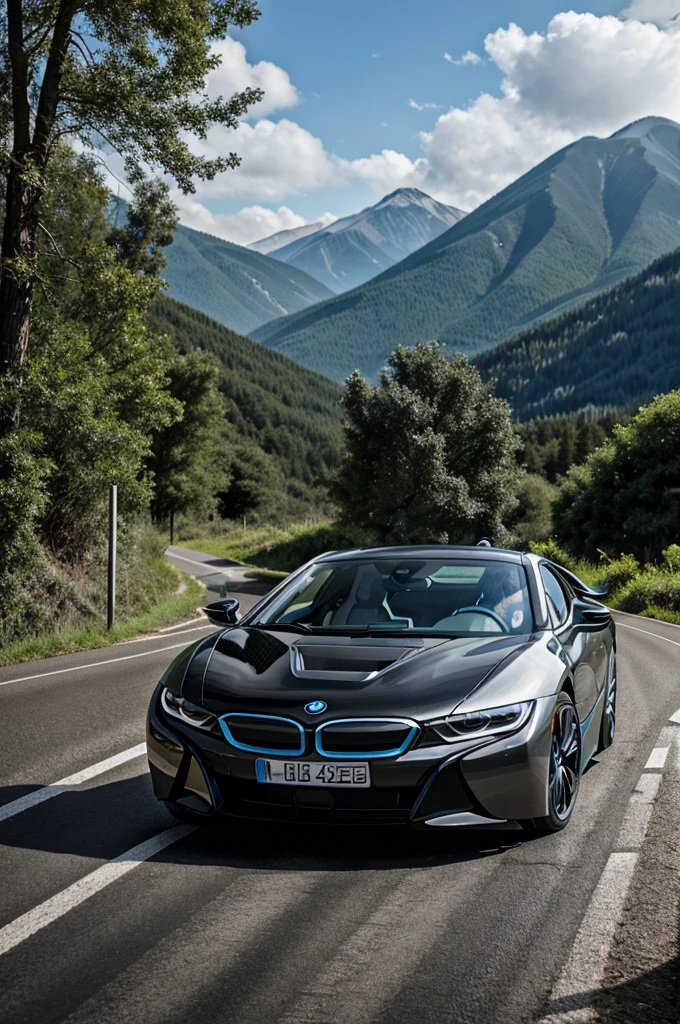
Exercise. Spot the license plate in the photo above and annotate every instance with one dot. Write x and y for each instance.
(351, 774)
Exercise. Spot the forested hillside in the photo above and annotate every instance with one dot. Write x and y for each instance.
(578, 223)
(238, 287)
(618, 350)
(291, 414)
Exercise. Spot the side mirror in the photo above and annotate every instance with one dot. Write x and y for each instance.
(223, 613)
(590, 616)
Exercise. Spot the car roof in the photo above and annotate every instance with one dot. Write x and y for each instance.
(464, 551)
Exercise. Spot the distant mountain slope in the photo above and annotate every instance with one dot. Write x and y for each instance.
(271, 242)
(240, 288)
(620, 349)
(586, 218)
(293, 414)
(356, 248)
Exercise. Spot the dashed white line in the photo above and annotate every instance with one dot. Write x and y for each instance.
(94, 664)
(66, 784)
(45, 913)
(657, 758)
(639, 812)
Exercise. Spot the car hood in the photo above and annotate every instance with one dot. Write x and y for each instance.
(250, 669)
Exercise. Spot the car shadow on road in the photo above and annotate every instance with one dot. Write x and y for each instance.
(650, 996)
(105, 820)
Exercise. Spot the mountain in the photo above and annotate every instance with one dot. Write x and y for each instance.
(618, 350)
(352, 250)
(240, 288)
(272, 242)
(291, 414)
(591, 215)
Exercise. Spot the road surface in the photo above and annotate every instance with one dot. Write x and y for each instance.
(110, 912)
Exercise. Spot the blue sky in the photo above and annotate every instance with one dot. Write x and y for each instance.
(337, 129)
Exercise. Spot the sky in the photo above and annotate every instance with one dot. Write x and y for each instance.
(455, 98)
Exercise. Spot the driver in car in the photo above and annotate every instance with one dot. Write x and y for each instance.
(502, 593)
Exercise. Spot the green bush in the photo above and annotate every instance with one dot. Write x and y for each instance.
(652, 591)
(618, 572)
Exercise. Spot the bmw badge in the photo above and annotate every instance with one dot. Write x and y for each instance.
(315, 707)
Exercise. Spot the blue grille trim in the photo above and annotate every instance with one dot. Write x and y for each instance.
(260, 770)
(355, 755)
(273, 752)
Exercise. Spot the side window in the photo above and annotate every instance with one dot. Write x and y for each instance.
(557, 601)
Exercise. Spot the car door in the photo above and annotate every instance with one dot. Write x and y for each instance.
(585, 649)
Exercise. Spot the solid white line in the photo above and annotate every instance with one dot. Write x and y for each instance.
(636, 821)
(646, 618)
(649, 633)
(585, 967)
(39, 796)
(166, 629)
(657, 758)
(55, 907)
(91, 664)
(145, 639)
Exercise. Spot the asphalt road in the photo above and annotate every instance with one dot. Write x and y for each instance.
(105, 919)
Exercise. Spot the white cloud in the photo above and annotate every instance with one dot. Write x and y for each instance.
(386, 171)
(235, 74)
(661, 12)
(584, 75)
(277, 159)
(424, 106)
(469, 57)
(248, 225)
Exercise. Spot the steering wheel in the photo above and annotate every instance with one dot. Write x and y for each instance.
(498, 619)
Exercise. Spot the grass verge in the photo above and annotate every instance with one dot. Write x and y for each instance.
(95, 634)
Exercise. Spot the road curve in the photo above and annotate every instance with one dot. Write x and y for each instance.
(107, 917)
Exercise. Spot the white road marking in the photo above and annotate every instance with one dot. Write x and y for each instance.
(675, 717)
(639, 812)
(584, 970)
(65, 785)
(647, 618)
(189, 622)
(46, 913)
(152, 636)
(657, 758)
(93, 664)
(649, 633)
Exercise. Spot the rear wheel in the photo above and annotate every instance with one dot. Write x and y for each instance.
(608, 727)
(564, 768)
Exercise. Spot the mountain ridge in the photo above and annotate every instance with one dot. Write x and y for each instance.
(589, 216)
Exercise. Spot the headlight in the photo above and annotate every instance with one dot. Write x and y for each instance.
(481, 723)
(188, 713)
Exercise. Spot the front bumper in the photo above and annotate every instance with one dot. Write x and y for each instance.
(466, 783)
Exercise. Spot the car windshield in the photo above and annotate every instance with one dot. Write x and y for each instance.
(443, 596)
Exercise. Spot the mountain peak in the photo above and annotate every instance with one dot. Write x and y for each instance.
(643, 126)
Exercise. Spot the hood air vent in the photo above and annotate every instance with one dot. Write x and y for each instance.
(351, 660)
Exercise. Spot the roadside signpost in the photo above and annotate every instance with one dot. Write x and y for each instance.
(113, 529)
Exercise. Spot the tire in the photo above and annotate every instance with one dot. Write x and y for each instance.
(608, 726)
(564, 768)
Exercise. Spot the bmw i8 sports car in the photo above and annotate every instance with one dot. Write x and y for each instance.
(431, 686)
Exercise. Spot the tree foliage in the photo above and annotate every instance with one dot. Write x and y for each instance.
(625, 496)
(430, 452)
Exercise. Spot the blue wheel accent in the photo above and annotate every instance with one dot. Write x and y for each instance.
(273, 752)
(359, 754)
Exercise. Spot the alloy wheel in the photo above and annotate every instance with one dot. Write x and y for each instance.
(609, 724)
(565, 761)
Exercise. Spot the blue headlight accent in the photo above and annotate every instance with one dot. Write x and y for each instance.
(260, 771)
(315, 707)
(272, 751)
(355, 755)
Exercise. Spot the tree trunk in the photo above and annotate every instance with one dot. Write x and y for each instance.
(16, 288)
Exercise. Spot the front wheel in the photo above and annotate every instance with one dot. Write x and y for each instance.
(608, 727)
(564, 768)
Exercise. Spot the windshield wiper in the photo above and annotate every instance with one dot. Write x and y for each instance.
(291, 627)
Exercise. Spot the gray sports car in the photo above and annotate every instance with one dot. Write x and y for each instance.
(432, 686)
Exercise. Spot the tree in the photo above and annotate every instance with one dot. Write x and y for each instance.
(625, 497)
(532, 519)
(430, 452)
(131, 74)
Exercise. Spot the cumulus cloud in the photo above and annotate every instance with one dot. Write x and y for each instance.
(424, 106)
(277, 159)
(248, 225)
(235, 74)
(470, 57)
(661, 12)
